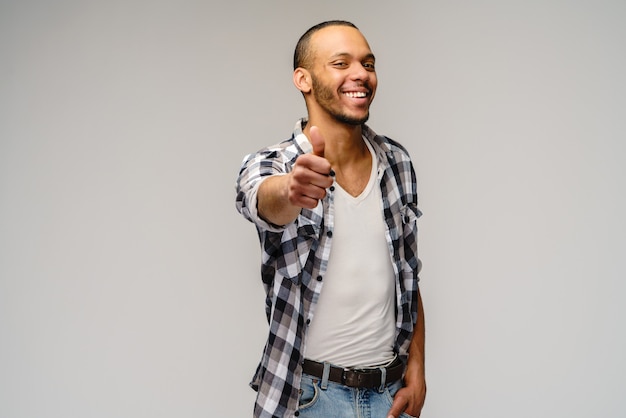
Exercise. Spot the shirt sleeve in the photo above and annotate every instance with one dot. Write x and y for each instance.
(255, 169)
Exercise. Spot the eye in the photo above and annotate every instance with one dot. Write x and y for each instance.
(340, 64)
(369, 65)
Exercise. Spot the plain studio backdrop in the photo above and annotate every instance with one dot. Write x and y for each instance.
(129, 285)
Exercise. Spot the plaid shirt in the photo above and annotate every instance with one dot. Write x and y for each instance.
(295, 257)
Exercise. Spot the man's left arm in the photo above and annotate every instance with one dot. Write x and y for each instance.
(410, 399)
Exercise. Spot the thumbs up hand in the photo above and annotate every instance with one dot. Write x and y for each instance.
(310, 176)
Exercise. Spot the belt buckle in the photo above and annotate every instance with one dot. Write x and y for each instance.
(344, 376)
(355, 378)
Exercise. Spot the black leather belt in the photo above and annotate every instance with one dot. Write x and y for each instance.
(356, 378)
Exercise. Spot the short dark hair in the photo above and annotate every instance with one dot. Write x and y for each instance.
(302, 54)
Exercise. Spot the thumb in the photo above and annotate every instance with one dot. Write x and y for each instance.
(317, 140)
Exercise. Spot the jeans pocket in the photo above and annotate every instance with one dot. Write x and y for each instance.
(391, 391)
(309, 393)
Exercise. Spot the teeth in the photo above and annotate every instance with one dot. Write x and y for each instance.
(356, 94)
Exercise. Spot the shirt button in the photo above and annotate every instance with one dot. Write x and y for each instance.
(329, 234)
(297, 413)
(332, 188)
(308, 321)
(319, 278)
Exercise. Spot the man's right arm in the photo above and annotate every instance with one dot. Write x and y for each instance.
(273, 201)
(281, 197)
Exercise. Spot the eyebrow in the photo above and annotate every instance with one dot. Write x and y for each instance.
(345, 55)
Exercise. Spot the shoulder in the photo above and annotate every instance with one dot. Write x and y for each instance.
(283, 153)
(387, 145)
(285, 150)
(395, 145)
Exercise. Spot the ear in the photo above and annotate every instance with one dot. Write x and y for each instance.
(302, 79)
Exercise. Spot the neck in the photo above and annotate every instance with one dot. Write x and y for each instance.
(343, 142)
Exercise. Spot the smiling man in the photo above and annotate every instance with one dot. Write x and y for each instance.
(335, 207)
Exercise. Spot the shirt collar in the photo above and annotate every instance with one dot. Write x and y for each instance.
(380, 146)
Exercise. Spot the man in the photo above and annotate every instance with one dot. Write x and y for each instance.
(335, 207)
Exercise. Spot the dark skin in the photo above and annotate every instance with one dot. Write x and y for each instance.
(343, 73)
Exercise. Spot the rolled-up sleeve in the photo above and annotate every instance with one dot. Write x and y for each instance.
(255, 169)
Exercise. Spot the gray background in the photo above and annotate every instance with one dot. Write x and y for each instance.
(129, 284)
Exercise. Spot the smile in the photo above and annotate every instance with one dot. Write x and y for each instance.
(356, 94)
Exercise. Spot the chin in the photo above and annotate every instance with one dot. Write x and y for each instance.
(352, 120)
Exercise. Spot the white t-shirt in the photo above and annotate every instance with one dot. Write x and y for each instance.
(354, 321)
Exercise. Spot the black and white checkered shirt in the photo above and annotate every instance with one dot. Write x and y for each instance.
(295, 257)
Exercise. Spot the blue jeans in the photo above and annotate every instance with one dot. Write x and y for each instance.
(339, 401)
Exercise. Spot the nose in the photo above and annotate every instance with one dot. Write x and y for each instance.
(360, 73)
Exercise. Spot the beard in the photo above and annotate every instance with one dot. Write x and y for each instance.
(325, 97)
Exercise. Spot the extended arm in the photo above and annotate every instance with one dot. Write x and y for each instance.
(273, 201)
(280, 198)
